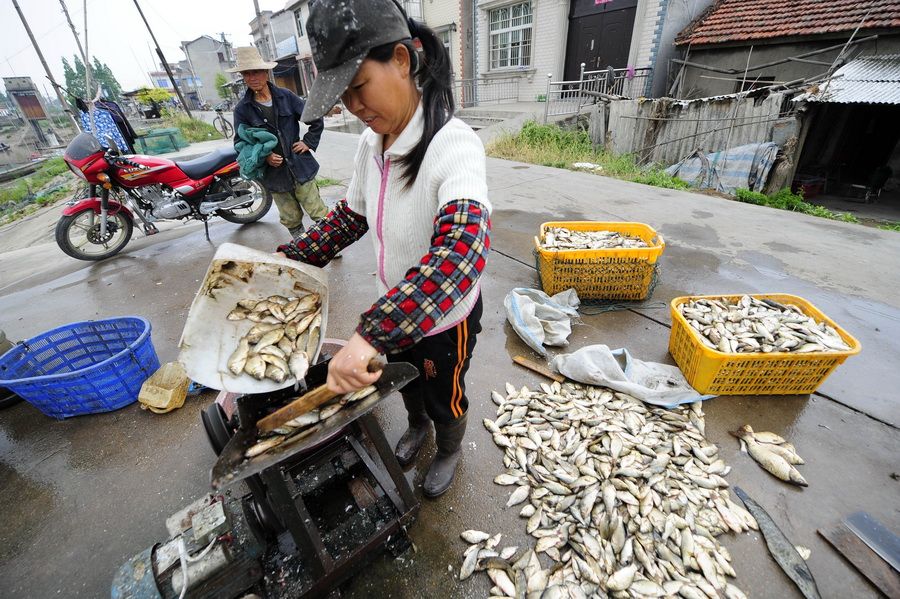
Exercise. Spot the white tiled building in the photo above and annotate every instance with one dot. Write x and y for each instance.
(525, 40)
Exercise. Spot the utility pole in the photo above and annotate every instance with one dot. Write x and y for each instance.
(262, 31)
(74, 32)
(164, 63)
(87, 76)
(37, 49)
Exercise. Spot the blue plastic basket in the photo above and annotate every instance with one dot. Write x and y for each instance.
(82, 368)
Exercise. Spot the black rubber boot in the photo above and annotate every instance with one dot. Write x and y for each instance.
(448, 438)
(416, 433)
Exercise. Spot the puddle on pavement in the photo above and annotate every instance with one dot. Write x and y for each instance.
(26, 504)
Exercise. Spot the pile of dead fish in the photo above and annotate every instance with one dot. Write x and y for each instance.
(759, 325)
(282, 341)
(304, 425)
(625, 500)
(560, 238)
(773, 453)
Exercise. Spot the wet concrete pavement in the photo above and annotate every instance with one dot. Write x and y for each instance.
(83, 495)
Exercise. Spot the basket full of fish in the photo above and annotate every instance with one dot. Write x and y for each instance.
(765, 344)
(256, 323)
(600, 260)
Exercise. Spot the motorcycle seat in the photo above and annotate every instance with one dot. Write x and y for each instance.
(207, 165)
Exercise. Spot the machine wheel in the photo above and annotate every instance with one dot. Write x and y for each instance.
(78, 235)
(259, 202)
(8, 398)
(217, 429)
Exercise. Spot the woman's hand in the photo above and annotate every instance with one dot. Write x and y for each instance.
(299, 147)
(347, 369)
(274, 159)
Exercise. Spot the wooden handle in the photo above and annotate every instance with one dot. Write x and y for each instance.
(305, 403)
(538, 368)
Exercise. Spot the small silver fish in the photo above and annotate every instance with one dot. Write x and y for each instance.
(238, 358)
(298, 364)
(263, 446)
(255, 367)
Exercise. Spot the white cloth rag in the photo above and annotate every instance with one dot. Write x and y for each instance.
(658, 384)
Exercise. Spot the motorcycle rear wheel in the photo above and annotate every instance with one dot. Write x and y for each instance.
(261, 202)
(78, 235)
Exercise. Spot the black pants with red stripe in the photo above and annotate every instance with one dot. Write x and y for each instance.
(442, 361)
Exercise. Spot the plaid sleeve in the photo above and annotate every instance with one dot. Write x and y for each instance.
(323, 240)
(459, 247)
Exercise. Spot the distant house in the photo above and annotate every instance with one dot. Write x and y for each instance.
(206, 57)
(188, 83)
(282, 38)
(777, 41)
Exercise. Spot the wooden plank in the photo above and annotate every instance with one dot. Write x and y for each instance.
(538, 368)
(864, 559)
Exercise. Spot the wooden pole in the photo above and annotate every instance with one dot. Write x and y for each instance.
(164, 63)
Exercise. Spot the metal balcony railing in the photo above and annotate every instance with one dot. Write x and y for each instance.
(474, 92)
(568, 97)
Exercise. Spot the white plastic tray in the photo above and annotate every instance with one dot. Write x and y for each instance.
(236, 273)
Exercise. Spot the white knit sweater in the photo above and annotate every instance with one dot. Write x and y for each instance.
(401, 219)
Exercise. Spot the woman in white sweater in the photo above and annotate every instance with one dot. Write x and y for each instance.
(419, 183)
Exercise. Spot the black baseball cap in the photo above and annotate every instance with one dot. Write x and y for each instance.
(341, 34)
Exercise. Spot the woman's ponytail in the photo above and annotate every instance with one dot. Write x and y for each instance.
(431, 69)
(433, 74)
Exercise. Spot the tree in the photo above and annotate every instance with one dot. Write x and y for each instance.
(149, 95)
(221, 83)
(101, 75)
(104, 76)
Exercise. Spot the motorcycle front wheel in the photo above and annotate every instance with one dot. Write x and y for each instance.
(258, 203)
(78, 235)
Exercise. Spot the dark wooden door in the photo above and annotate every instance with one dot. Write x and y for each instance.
(599, 36)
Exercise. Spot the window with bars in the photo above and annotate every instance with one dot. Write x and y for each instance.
(413, 9)
(510, 31)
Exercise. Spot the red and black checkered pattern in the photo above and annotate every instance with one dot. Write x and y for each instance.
(459, 247)
(326, 238)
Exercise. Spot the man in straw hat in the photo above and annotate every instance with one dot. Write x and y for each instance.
(290, 174)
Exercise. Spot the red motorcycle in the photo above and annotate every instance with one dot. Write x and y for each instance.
(94, 228)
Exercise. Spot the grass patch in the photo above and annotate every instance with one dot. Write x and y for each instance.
(549, 145)
(786, 200)
(895, 226)
(193, 130)
(327, 182)
(24, 195)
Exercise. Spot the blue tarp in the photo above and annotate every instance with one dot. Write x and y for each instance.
(745, 167)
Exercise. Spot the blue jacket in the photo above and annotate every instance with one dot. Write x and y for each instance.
(288, 108)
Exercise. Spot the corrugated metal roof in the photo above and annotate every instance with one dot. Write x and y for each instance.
(865, 80)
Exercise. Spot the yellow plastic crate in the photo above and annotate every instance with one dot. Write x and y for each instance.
(778, 373)
(624, 274)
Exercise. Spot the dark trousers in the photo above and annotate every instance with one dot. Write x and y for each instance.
(442, 361)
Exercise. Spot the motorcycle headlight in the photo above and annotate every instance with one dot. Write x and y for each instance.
(75, 170)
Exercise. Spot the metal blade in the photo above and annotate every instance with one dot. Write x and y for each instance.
(781, 549)
(232, 466)
(879, 539)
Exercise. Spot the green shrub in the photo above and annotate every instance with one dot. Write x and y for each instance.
(193, 130)
(787, 200)
(550, 145)
(895, 226)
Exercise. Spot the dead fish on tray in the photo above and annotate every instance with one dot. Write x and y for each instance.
(752, 325)
(282, 340)
(303, 424)
(624, 499)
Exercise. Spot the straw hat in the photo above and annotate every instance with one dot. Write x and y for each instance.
(248, 59)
